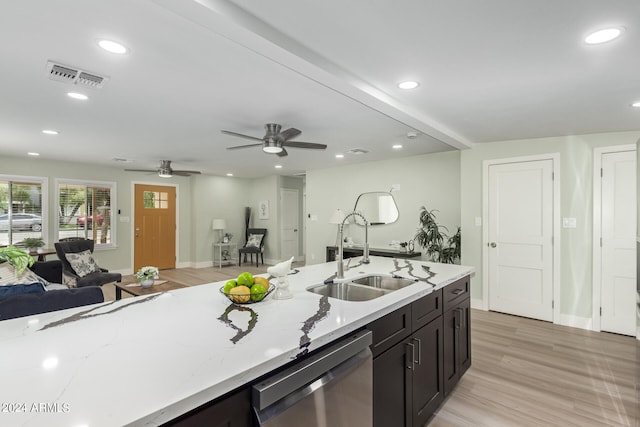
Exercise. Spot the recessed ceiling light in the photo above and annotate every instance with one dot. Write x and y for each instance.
(278, 166)
(603, 36)
(50, 132)
(339, 156)
(408, 85)
(229, 174)
(33, 154)
(397, 146)
(636, 104)
(113, 47)
(76, 95)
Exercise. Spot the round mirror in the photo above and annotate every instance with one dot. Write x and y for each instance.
(377, 207)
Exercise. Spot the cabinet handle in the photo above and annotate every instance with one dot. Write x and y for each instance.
(419, 361)
(463, 318)
(458, 291)
(412, 356)
(456, 318)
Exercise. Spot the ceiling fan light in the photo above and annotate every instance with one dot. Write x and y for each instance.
(271, 148)
(164, 173)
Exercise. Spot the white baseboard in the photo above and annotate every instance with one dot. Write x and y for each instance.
(478, 304)
(575, 321)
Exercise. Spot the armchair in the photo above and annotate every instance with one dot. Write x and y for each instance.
(96, 277)
(254, 245)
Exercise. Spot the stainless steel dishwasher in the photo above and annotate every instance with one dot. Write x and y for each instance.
(331, 388)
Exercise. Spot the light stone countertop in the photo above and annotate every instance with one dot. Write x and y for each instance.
(147, 360)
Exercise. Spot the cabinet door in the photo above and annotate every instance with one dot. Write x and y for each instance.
(450, 358)
(464, 336)
(428, 391)
(392, 387)
(457, 343)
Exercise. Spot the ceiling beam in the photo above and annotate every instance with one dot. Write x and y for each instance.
(237, 25)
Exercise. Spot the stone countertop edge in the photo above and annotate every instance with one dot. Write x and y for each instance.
(178, 350)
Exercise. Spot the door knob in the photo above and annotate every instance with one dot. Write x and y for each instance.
(493, 244)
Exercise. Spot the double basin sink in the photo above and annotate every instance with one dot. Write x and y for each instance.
(361, 289)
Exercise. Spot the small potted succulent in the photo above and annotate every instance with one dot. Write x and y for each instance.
(146, 275)
(32, 243)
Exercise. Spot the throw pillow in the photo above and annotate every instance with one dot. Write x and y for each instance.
(82, 263)
(21, 289)
(254, 240)
(9, 276)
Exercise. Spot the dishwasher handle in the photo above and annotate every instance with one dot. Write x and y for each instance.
(291, 379)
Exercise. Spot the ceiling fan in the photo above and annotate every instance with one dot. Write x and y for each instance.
(165, 170)
(274, 141)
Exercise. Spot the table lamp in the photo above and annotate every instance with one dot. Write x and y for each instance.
(219, 224)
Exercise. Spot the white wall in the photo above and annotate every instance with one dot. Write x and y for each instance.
(576, 166)
(430, 180)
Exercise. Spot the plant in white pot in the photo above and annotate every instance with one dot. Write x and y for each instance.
(146, 275)
(32, 243)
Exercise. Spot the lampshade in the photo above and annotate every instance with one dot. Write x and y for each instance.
(219, 224)
(337, 217)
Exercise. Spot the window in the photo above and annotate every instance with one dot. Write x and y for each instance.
(156, 200)
(21, 211)
(86, 210)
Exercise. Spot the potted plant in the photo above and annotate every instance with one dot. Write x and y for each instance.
(433, 237)
(146, 275)
(16, 257)
(32, 243)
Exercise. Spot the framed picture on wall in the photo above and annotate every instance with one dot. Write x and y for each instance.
(263, 209)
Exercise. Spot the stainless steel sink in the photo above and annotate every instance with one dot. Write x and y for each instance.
(385, 282)
(362, 289)
(347, 291)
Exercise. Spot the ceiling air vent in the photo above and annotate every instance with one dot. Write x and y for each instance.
(74, 75)
(357, 151)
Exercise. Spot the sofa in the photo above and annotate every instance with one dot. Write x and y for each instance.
(35, 298)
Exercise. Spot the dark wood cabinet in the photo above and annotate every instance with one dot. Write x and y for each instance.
(331, 252)
(407, 364)
(232, 410)
(457, 337)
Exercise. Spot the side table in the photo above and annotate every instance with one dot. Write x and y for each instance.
(224, 253)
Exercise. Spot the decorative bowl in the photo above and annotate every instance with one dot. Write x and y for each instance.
(247, 298)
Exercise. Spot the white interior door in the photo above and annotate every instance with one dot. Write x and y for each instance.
(290, 223)
(618, 228)
(520, 232)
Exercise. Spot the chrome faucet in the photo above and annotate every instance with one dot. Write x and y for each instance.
(365, 255)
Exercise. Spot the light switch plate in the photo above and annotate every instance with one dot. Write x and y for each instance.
(124, 219)
(568, 223)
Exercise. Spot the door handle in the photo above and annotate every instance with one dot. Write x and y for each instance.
(419, 361)
(493, 244)
(412, 356)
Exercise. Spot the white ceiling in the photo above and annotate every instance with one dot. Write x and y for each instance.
(489, 70)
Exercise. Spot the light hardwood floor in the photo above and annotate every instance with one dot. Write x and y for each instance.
(524, 372)
(530, 373)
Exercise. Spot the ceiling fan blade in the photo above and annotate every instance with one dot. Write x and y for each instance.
(289, 133)
(141, 170)
(240, 135)
(283, 153)
(185, 173)
(300, 144)
(244, 146)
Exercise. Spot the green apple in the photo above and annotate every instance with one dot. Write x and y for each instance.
(245, 279)
(257, 292)
(230, 284)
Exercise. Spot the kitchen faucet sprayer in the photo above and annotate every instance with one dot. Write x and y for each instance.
(365, 254)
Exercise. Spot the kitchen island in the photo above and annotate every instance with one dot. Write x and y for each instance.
(148, 360)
